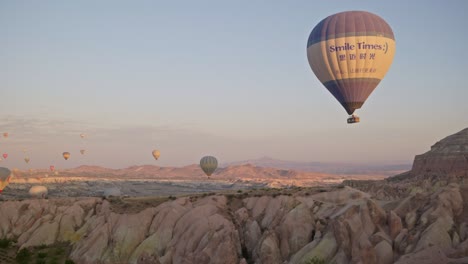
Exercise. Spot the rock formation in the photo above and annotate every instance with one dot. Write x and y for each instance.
(449, 156)
(341, 226)
(415, 217)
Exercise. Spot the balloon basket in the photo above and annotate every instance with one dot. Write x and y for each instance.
(353, 119)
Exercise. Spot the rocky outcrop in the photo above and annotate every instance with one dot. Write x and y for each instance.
(342, 225)
(448, 156)
(417, 217)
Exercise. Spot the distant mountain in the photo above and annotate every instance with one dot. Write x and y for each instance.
(323, 167)
(244, 173)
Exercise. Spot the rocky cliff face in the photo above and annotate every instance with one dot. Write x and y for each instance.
(448, 156)
(340, 226)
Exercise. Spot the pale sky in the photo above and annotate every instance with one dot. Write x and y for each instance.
(223, 78)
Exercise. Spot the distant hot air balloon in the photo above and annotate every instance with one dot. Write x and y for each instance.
(209, 164)
(82, 151)
(350, 53)
(5, 155)
(111, 192)
(52, 168)
(66, 155)
(38, 191)
(156, 154)
(5, 176)
(5, 135)
(82, 135)
(26, 159)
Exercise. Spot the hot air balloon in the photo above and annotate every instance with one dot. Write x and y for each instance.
(52, 168)
(5, 135)
(82, 135)
(66, 155)
(156, 154)
(209, 164)
(82, 151)
(111, 192)
(5, 176)
(26, 159)
(38, 191)
(350, 53)
(5, 155)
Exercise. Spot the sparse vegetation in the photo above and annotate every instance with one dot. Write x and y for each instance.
(43, 254)
(69, 261)
(23, 256)
(315, 260)
(42, 246)
(239, 191)
(5, 243)
(40, 261)
(59, 251)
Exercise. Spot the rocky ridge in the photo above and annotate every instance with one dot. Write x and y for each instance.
(343, 225)
(449, 156)
(417, 217)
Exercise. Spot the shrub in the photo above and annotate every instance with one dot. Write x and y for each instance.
(42, 255)
(42, 246)
(5, 243)
(23, 256)
(59, 251)
(315, 260)
(40, 261)
(230, 196)
(239, 191)
(69, 261)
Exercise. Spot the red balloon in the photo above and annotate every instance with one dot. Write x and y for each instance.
(52, 168)
(5, 155)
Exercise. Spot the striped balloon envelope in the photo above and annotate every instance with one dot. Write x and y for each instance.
(350, 53)
(209, 165)
(5, 176)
